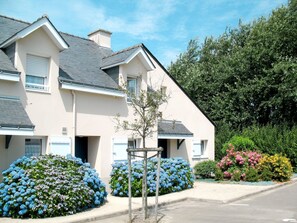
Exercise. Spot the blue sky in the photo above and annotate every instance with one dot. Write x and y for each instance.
(164, 26)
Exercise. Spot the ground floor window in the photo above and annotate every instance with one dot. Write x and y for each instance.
(199, 148)
(33, 147)
(120, 146)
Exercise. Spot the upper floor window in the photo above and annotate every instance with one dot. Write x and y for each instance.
(37, 72)
(132, 87)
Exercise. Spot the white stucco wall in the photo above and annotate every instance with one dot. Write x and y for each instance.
(180, 108)
(52, 111)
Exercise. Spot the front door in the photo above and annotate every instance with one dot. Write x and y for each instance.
(81, 148)
(163, 143)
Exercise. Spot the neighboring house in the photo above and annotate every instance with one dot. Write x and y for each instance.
(59, 94)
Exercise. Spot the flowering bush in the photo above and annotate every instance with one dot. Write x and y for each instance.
(49, 186)
(278, 165)
(238, 162)
(175, 175)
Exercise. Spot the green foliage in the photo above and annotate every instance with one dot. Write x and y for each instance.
(275, 139)
(247, 75)
(175, 175)
(49, 186)
(236, 175)
(219, 175)
(223, 134)
(205, 169)
(252, 175)
(268, 139)
(266, 174)
(239, 143)
(278, 165)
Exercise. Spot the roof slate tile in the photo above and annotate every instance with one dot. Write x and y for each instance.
(13, 113)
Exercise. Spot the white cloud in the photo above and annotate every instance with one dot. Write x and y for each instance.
(145, 21)
(170, 55)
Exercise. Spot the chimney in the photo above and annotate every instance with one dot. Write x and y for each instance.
(101, 37)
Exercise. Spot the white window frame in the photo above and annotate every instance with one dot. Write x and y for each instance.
(136, 86)
(44, 75)
(43, 144)
(199, 148)
(136, 145)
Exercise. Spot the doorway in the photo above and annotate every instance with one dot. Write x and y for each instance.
(163, 143)
(81, 148)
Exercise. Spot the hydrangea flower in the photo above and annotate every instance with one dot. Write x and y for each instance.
(49, 186)
(175, 175)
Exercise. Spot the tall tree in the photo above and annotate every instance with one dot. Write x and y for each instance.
(248, 74)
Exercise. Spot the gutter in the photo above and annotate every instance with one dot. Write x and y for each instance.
(9, 75)
(73, 122)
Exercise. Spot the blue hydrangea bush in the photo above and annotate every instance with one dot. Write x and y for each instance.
(175, 175)
(49, 186)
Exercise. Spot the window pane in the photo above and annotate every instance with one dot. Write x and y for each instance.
(33, 147)
(131, 85)
(132, 144)
(34, 80)
(37, 72)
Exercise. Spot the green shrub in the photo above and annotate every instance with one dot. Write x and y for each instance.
(266, 175)
(239, 143)
(175, 175)
(223, 134)
(278, 165)
(251, 175)
(219, 175)
(49, 186)
(270, 139)
(205, 169)
(236, 175)
(275, 140)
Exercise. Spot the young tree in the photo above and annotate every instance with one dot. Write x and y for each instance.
(146, 114)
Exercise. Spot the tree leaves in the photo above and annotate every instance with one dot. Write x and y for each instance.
(248, 74)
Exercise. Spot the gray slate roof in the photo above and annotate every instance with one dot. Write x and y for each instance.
(13, 114)
(79, 64)
(9, 27)
(173, 128)
(119, 56)
(6, 64)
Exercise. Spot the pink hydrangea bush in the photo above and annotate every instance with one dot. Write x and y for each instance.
(238, 161)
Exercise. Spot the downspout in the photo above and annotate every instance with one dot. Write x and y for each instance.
(73, 122)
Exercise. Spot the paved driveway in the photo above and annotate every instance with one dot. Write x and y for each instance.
(279, 205)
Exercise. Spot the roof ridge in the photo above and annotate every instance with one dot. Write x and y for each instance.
(43, 16)
(17, 20)
(123, 50)
(72, 35)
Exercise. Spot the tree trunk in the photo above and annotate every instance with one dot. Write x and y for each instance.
(144, 182)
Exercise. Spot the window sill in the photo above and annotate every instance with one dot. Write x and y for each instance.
(38, 91)
(200, 158)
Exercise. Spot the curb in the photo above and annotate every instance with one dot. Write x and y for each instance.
(119, 213)
(293, 181)
(124, 212)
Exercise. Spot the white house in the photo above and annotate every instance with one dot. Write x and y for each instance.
(59, 93)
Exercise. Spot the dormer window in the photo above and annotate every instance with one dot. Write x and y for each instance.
(37, 72)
